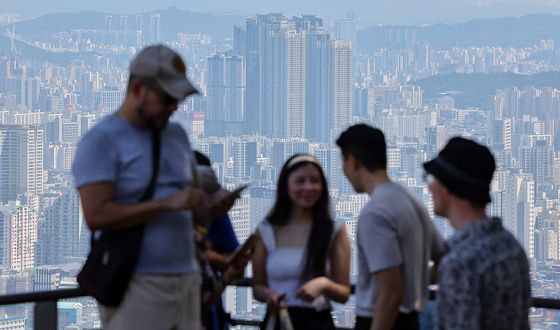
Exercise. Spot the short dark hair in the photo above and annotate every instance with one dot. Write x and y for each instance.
(367, 144)
(131, 78)
(145, 81)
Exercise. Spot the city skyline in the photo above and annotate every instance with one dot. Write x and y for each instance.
(280, 85)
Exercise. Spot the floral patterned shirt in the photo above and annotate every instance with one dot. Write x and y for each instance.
(484, 280)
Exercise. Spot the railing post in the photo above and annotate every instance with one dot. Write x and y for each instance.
(45, 315)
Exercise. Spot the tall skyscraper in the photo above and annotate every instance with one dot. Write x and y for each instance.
(154, 26)
(28, 92)
(18, 242)
(435, 138)
(240, 40)
(500, 139)
(244, 158)
(362, 102)
(63, 234)
(519, 211)
(295, 91)
(262, 200)
(273, 31)
(401, 38)
(123, 19)
(537, 159)
(342, 81)
(254, 75)
(109, 99)
(299, 81)
(21, 161)
(546, 237)
(139, 26)
(253, 113)
(328, 83)
(347, 29)
(225, 94)
(506, 103)
(319, 87)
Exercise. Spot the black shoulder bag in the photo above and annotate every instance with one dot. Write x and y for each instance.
(113, 257)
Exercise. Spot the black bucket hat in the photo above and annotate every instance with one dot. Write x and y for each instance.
(465, 168)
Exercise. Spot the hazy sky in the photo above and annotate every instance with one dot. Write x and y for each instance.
(371, 11)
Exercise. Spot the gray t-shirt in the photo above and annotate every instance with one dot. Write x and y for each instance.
(116, 151)
(394, 229)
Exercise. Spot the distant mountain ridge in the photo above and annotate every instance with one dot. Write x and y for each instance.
(505, 32)
(476, 89)
(31, 52)
(173, 21)
(501, 32)
(370, 12)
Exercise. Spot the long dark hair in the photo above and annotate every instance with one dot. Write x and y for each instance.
(322, 227)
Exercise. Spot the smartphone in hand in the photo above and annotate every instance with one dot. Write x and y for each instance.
(239, 189)
(226, 199)
(233, 194)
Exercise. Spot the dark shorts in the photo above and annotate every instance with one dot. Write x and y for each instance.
(307, 319)
(404, 322)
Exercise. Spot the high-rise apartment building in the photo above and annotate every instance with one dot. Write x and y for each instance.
(225, 95)
(299, 80)
(63, 234)
(347, 29)
(17, 246)
(245, 153)
(319, 84)
(519, 211)
(21, 161)
(109, 99)
(435, 139)
(342, 86)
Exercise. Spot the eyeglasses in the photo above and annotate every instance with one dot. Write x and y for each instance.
(428, 178)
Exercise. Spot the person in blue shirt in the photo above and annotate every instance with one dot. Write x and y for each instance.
(216, 244)
(112, 170)
(223, 239)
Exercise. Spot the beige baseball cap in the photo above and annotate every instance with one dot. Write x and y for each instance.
(166, 67)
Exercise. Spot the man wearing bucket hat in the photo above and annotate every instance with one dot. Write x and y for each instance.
(113, 167)
(484, 279)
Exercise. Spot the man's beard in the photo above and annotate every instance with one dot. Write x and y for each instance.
(147, 121)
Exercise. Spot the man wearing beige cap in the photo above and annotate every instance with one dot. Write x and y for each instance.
(113, 171)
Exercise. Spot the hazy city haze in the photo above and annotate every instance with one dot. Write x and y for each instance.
(275, 79)
(371, 12)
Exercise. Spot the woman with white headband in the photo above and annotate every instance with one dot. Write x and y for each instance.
(302, 257)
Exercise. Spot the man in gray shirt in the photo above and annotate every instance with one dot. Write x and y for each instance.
(396, 237)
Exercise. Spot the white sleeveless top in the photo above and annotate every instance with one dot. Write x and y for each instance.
(284, 266)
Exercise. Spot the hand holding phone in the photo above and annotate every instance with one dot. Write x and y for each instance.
(237, 191)
(224, 200)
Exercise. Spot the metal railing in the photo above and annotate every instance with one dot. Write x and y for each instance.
(45, 309)
(46, 312)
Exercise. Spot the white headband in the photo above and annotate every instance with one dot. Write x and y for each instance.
(302, 158)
